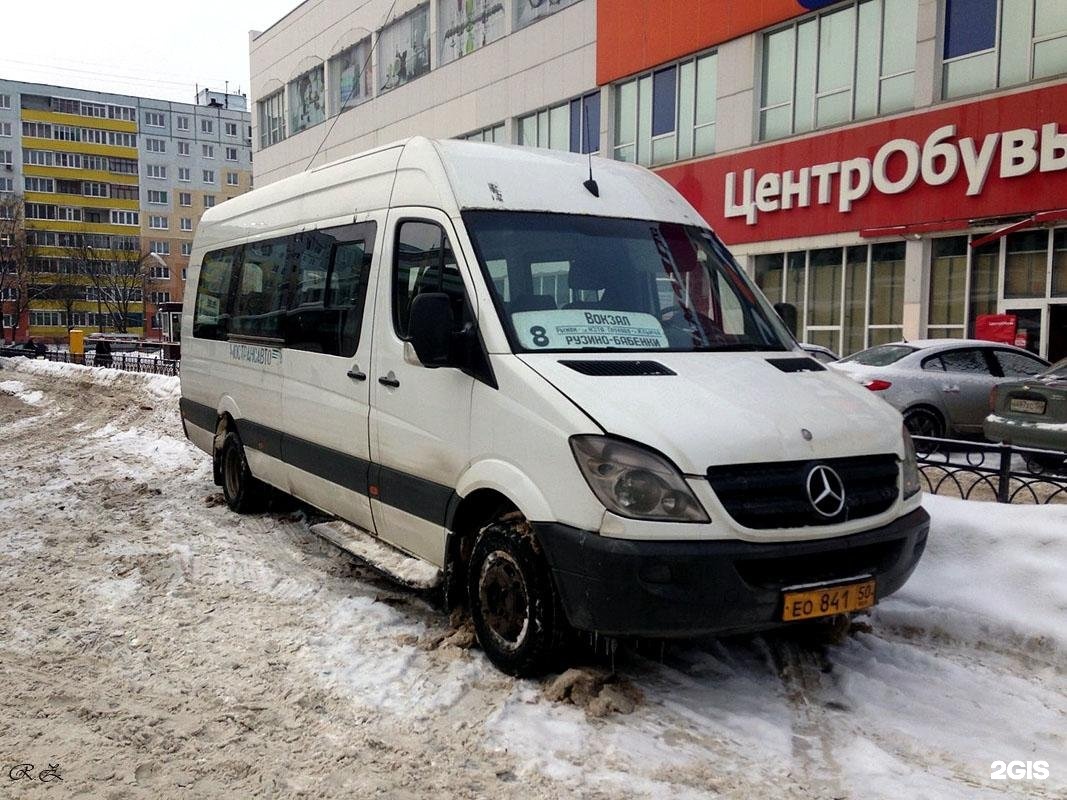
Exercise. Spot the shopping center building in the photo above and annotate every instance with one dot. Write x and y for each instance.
(894, 168)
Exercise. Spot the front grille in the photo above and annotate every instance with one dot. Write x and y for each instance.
(775, 495)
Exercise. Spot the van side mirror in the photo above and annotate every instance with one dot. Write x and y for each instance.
(788, 313)
(430, 328)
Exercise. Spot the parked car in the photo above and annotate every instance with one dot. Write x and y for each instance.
(1032, 413)
(824, 355)
(941, 386)
(28, 349)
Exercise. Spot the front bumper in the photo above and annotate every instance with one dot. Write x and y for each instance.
(622, 587)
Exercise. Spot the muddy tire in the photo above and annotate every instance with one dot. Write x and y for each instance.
(243, 492)
(923, 421)
(512, 600)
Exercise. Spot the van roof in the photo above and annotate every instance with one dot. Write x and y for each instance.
(451, 175)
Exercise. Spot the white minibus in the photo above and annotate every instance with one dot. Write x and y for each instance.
(543, 378)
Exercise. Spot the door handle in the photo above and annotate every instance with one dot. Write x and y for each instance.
(356, 375)
(389, 380)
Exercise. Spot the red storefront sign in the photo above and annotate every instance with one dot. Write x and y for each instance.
(992, 158)
(996, 328)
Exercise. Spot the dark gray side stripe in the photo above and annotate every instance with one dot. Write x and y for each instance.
(416, 496)
(198, 414)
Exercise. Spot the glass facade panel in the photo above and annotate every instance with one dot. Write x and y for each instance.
(307, 99)
(1050, 16)
(803, 111)
(836, 43)
(855, 308)
(559, 128)
(970, 26)
(404, 49)
(626, 114)
(465, 26)
(1059, 263)
(707, 88)
(985, 280)
(350, 77)
(868, 31)
(824, 287)
(948, 279)
(664, 100)
(688, 103)
(1050, 57)
(898, 93)
(778, 67)
(832, 109)
(887, 284)
(769, 269)
(970, 75)
(1015, 42)
(1025, 267)
(898, 36)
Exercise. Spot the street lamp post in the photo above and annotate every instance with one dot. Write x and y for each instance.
(144, 290)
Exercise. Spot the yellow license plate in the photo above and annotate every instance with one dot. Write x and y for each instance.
(827, 601)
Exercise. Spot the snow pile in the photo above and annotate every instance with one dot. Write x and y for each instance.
(164, 387)
(989, 571)
(18, 389)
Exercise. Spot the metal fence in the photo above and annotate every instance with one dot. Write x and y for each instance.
(981, 471)
(130, 362)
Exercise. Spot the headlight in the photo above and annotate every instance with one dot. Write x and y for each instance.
(634, 482)
(910, 483)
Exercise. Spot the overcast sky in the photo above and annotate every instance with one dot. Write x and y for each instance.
(160, 50)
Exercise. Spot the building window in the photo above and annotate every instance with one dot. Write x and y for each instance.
(307, 99)
(991, 43)
(96, 189)
(187, 250)
(5, 128)
(7, 157)
(159, 223)
(183, 123)
(209, 200)
(465, 27)
(855, 62)
(231, 128)
(185, 174)
(160, 248)
(159, 272)
(157, 171)
(207, 150)
(964, 284)
(573, 126)
(119, 217)
(231, 153)
(185, 199)
(121, 139)
(404, 49)
(124, 192)
(183, 148)
(494, 133)
(350, 77)
(125, 113)
(122, 166)
(669, 114)
(231, 179)
(7, 185)
(154, 119)
(271, 120)
(157, 197)
(528, 12)
(186, 224)
(40, 184)
(47, 319)
(5, 101)
(209, 176)
(155, 145)
(847, 298)
(207, 126)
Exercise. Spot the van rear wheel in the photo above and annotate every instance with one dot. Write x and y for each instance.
(243, 492)
(512, 600)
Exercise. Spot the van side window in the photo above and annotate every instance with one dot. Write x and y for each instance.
(262, 290)
(332, 269)
(211, 315)
(424, 262)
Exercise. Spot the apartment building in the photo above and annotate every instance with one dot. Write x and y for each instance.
(112, 188)
(893, 168)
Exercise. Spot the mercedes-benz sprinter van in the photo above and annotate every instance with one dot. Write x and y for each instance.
(549, 381)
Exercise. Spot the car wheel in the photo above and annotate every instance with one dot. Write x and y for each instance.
(1044, 465)
(243, 492)
(512, 600)
(924, 422)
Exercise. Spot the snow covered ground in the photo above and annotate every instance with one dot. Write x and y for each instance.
(153, 644)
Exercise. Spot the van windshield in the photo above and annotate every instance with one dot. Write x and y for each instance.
(563, 282)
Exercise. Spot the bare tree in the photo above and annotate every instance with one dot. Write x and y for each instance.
(117, 278)
(19, 267)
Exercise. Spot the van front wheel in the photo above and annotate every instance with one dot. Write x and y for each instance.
(243, 492)
(512, 600)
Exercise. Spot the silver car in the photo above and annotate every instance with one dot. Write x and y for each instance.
(941, 386)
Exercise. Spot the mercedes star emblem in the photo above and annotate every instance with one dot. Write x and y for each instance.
(826, 491)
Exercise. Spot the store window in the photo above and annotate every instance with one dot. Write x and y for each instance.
(667, 115)
(465, 27)
(404, 49)
(573, 126)
(307, 99)
(271, 119)
(1026, 264)
(494, 133)
(991, 43)
(948, 288)
(528, 11)
(350, 77)
(855, 62)
(1059, 263)
(847, 299)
